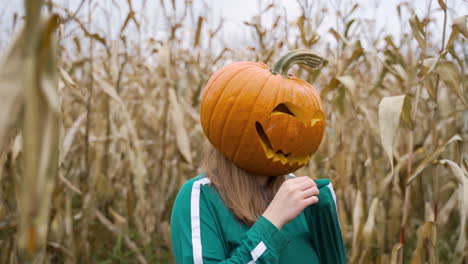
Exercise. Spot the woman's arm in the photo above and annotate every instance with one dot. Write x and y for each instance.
(324, 225)
(196, 238)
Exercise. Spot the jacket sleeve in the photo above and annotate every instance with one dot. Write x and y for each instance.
(197, 239)
(324, 225)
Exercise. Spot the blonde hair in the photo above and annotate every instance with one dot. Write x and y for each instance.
(239, 189)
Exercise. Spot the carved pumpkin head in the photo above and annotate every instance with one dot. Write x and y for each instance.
(264, 120)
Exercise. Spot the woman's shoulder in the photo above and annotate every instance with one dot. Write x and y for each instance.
(198, 186)
(196, 195)
(188, 194)
(194, 183)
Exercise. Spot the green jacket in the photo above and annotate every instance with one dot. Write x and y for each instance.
(204, 231)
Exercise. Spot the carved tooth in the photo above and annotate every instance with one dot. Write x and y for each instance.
(269, 153)
(314, 121)
(291, 161)
(283, 159)
(275, 158)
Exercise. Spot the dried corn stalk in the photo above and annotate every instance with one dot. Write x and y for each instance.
(37, 81)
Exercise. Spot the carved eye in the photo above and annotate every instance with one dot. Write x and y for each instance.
(293, 110)
(289, 109)
(282, 109)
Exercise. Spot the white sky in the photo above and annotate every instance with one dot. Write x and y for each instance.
(383, 14)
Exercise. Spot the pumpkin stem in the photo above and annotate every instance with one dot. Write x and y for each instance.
(297, 56)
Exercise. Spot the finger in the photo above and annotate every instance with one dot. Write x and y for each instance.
(311, 200)
(299, 179)
(310, 192)
(301, 183)
(307, 184)
(305, 179)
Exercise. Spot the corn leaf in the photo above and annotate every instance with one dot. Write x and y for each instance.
(390, 112)
(182, 139)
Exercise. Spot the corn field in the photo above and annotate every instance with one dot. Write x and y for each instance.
(99, 123)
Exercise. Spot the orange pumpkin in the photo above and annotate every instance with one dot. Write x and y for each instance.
(264, 120)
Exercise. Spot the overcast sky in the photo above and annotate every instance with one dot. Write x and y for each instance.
(382, 13)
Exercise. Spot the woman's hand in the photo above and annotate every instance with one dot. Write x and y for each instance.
(292, 198)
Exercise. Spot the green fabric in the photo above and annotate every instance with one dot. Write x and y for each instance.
(312, 237)
(324, 225)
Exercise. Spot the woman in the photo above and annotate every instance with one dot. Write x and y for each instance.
(246, 208)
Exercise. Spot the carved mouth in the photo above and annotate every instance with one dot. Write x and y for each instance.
(278, 155)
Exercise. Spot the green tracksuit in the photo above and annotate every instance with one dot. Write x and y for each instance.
(204, 230)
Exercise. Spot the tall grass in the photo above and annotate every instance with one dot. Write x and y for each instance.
(130, 132)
